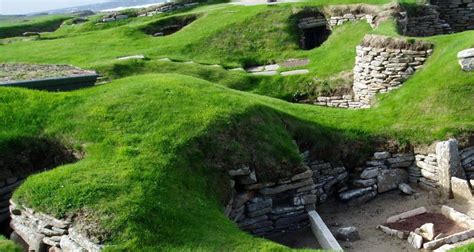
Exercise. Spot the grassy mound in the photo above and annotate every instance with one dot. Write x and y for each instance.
(158, 139)
(17, 26)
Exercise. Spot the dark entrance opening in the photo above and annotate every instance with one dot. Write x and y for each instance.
(312, 28)
(314, 37)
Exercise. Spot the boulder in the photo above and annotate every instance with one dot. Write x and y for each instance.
(466, 59)
(461, 189)
(390, 179)
(347, 234)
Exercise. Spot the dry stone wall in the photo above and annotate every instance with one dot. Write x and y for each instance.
(380, 70)
(459, 14)
(426, 171)
(266, 208)
(349, 17)
(41, 232)
(426, 22)
(382, 64)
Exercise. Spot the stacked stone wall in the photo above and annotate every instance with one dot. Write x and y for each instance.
(459, 14)
(380, 70)
(40, 232)
(349, 17)
(266, 208)
(426, 22)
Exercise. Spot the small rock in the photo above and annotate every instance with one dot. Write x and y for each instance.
(348, 234)
(415, 240)
(426, 231)
(405, 188)
(466, 59)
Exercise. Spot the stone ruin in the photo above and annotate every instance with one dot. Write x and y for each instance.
(382, 64)
(268, 208)
(313, 28)
(438, 17)
(168, 26)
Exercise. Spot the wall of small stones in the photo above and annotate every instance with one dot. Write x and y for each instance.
(426, 171)
(349, 17)
(266, 208)
(41, 232)
(428, 23)
(459, 14)
(380, 70)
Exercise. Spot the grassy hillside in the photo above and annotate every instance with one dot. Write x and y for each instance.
(158, 139)
(17, 26)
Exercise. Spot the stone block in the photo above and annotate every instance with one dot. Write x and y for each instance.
(390, 179)
(449, 165)
(461, 189)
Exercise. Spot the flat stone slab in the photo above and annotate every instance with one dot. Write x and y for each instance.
(265, 73)
(295, 62)
(295, 72)
(322, 233)
(408, 214)
(461, 189)
(139, 57)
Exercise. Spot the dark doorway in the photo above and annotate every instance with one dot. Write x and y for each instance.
(313, 37)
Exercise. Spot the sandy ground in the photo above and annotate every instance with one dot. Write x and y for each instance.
(366, 218)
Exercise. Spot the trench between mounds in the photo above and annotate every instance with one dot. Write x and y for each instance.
(23, 157)
(345, 191)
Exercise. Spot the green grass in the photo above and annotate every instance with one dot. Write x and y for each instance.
(159, 138)
(8, 246)
(466, 248)
(17, 26)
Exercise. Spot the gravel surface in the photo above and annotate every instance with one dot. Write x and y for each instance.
(20, 72)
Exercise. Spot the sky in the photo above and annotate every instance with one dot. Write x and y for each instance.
(28, 6)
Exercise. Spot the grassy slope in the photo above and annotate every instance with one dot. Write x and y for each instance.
(147, 137)
(16, 27)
